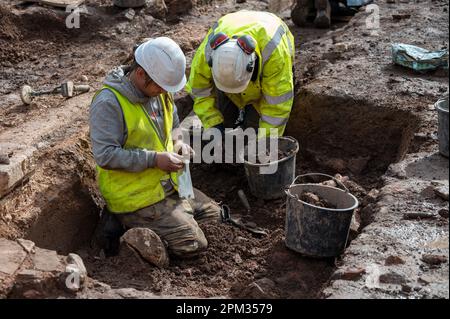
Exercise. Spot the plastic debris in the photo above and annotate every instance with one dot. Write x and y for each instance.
(185, 189)
(129, 14)
(417, 58)
(358, 3)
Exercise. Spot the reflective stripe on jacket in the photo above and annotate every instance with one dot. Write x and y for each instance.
(126, 192)
(273, 90)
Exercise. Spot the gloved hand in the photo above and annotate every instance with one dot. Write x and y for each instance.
(183, 149)
(169, 162)
(221, 128)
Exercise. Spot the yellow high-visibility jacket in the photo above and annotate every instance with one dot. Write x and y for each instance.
(272, 93)
(126, 192)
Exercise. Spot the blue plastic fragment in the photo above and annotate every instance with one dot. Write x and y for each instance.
(358, 3)
(417, 58)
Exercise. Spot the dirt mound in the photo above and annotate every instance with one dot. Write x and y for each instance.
(287, 275)
(34, 23)
(177, 7)
(233, 255)
(8, 27)
(18, 30)
(233, 262)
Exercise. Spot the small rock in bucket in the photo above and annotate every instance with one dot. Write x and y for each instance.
(315, 200)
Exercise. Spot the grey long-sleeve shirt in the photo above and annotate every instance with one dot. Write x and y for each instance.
(108, 129)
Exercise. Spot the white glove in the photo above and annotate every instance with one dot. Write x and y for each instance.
(183, 149)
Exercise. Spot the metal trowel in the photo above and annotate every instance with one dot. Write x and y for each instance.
(185, 189)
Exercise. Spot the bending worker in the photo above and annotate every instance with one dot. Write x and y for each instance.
(131, 123)
(242, 73)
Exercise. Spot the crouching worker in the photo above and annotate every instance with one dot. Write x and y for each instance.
(242, 73)
(132, 119)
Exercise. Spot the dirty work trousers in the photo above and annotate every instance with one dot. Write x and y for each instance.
(176, 221)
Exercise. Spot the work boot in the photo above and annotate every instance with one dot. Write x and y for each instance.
(300, 11)
(323, 16)
(148, 244)
(107, 234)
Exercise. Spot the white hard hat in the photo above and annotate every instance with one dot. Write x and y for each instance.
(232, 68)
(164, 63)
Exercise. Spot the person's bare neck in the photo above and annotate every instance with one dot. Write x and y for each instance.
(132, 78)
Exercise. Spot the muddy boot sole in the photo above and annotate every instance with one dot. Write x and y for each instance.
(323, 16)
(323, 20)
(300, 12)
(148, 244)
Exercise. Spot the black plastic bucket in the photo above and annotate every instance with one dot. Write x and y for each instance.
(442, 108)
(316, 231)
(272, 186)
(129, 3)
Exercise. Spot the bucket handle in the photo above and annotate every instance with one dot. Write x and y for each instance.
(321, 174)
(292, 139)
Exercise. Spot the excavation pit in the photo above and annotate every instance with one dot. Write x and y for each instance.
(58, 205)
(355, 138)
(236, 262)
